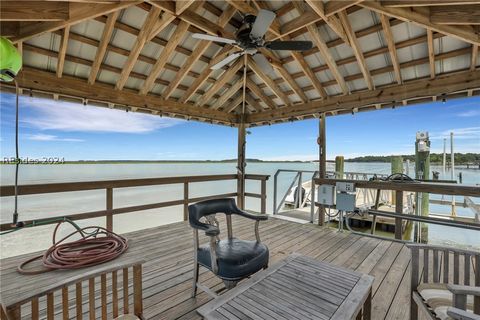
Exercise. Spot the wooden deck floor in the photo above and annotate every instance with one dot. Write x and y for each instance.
(167, 274)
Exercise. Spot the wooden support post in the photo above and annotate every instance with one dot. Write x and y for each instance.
(263, 200)
(322, 163)
(398, 209)
(422, 171)
(109, 196)
(185, 201)
(241, 165)
(339, 167)
(137, 290)
(396, 167)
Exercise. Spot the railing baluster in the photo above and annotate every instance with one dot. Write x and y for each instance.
(466, 275)
(50, 306)
(109, 205)
(436, 267)
(263, 192)
(78, 300)
(446, 266)
(114, 295)
(456, 268)
(65, 312)
(476, 299)
(125, 290)
(91, 298)
(185, 201)
(103, 281)
(34, 306)
(137, 290)
(425, 265)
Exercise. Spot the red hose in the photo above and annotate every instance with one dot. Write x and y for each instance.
(98, 245)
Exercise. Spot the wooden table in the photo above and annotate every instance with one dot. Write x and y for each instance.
(298, 287)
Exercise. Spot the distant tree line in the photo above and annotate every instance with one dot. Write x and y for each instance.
(460, 158)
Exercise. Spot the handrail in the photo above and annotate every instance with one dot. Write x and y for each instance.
(110, 185)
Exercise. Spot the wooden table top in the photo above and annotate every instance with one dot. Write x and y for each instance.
(298, 287)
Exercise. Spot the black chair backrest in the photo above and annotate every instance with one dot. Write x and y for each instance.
(200, 209)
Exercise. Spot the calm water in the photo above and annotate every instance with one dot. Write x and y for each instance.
(41, 206)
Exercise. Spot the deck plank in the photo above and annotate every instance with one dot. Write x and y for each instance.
(168, 253)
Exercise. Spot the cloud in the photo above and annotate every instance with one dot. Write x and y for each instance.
(470, 113)
(65, 116)
(48, 137)
(458, 133)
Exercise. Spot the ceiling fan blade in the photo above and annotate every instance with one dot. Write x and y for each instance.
(262, 23)
(289, 45)
(227, 60)
(202, 36)
(263, 64)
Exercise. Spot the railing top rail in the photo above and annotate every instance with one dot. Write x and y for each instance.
(9, 190)
(437, 188)
(346, 172)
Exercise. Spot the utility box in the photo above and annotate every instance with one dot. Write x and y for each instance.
(345, 202)
(345, 187)
(326, 194)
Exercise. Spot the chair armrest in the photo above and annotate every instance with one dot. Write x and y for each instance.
(459, 314)
(257, 217)
(211, 231)
(464, 290)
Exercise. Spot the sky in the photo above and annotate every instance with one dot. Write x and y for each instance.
(71, 131)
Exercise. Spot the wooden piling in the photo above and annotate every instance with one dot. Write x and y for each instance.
(422, 171)
(339, 166)
(396, 167)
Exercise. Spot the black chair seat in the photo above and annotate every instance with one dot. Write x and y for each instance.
(236, 258)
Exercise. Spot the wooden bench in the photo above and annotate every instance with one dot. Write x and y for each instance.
(72, 292)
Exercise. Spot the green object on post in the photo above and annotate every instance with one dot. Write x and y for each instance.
(10, 60)
(339, 166)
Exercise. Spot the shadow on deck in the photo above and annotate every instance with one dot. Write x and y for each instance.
(167, 273)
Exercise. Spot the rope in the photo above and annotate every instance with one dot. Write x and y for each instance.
(97, 245)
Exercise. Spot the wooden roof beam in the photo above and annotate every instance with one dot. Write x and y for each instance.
(34, 11)
(356, 49)
(231, 106)
(424, 3)
(408, 90)
(235, 88)
(78, 12)
(387, 31)
(197, 52)
(333, 22)
(142, 38)
(259, 93)
(456, 15)
(463, 33)
(62, 51)
(103, 45)
(71, 86)
(268, 81)
(473, 62)
(167, 51)
(335, 6)
(431, 53)
(253, 103)
(224, 78)
(182, 5)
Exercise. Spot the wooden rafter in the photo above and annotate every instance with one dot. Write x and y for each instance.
(327, 57)
(456, 15)
(333, 22)
(62, 51)
(202, 78)
(406, 91)
(253, 103)
(197, 52)
(138, 46)
(71, 86)
(387, 31)
(356, 48)
(78, 12)
(424, 3)
(269, 82)
(34, 11)
(291, 82)
(259, 93)
(221, 81)
(163, 22)
(235, 88)
(431, 53)
(102, 47)
(473, 62)
(234, 104)
(335, 6)
(182, 5)
(422, 19)
(164, 57)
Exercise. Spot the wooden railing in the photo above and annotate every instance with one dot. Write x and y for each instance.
(399, 188)
(110, 185)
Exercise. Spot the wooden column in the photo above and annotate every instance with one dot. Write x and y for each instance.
(396, 167)
(322, 162)
(185, 201)
(263, 203)
(241, 165)
(398, 209)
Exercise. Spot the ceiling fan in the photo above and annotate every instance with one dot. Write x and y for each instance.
(250, 37)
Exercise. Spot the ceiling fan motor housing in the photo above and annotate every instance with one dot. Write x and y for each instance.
(244, 37)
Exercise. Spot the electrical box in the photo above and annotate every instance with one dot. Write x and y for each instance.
(345, 202)
(326, 194)
(422, 135)
(345, 187)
